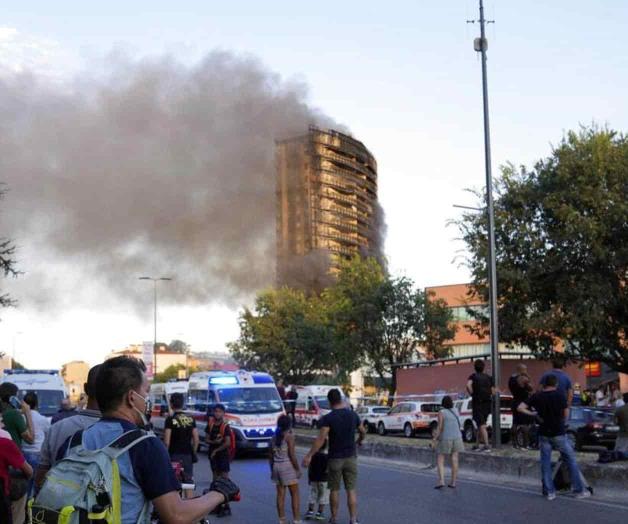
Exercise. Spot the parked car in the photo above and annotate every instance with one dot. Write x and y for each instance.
(463, 409)
(410, 418)
(591, 427)
(370, 415)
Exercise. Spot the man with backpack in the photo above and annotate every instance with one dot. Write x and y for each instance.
(221, 441)
(481, 387)
(131, 468)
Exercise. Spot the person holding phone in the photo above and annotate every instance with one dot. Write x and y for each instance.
(16, 415)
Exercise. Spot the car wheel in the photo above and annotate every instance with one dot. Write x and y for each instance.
(370, 427)
(469, 432)
(381, 429)
(315, 424)
(408, 432)
(433, 427)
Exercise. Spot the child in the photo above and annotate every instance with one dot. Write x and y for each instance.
(285, 469)
(319, 492)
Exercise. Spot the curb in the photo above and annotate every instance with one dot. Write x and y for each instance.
(607, 476)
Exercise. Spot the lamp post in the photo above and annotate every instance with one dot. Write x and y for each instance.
(481, 45)
(154, 280)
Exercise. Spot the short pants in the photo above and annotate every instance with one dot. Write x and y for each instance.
(284, 474)
(481, 411)
(220, 462)
(449, 446)
(342, 469)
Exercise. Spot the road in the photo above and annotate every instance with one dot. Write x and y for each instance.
(392, 493)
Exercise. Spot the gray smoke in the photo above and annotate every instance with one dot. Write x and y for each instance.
(153, 167)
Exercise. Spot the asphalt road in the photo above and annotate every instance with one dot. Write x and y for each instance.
(392, 493)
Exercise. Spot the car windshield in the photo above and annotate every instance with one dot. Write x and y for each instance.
(605, 417)
(322, 402)
(250, 400)
(49, 400)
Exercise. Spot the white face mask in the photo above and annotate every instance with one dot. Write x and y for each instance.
(143, 414)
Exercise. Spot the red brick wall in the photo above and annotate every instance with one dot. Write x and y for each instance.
(453, 377)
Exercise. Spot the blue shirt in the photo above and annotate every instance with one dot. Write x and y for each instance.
(564, 382)
(145, 470)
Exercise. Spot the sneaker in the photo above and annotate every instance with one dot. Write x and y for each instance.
(585, 494)
(309, 515)
(475, 448)
(486, 449)
(319, 516)
(550, 496)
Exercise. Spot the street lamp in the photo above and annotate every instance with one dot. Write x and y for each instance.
(154, 280)
(481, 45)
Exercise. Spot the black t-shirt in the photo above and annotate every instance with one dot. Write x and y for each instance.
(181, 426)
(317, 472)
(519, 393)
(342, 424)
(214, 431)
(482, 385)
(550, 405)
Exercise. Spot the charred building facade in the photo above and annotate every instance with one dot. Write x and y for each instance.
(327, 206)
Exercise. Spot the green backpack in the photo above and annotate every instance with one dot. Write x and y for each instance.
(84, 487)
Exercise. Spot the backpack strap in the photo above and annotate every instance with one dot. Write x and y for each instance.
(126, 441)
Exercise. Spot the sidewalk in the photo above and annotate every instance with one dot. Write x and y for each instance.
(506, 462)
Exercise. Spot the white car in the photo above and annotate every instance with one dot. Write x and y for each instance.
(463, 409)
(410, 418)
(370, 415)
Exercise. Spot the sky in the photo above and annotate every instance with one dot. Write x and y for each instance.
(401, 75)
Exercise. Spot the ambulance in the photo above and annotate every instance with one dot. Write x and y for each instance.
(251, 399)
(160, 393)
(47, 383)
(312, 404)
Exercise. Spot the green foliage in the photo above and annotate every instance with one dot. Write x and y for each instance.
(383, 320)
(287, 335)
(170, 373)
(7, 262)
(178, 346)
(365, 318)
(562, 250)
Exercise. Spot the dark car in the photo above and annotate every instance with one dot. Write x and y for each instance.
(592, 427)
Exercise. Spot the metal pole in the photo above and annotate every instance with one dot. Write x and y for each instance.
(155, 333)
(492, 269)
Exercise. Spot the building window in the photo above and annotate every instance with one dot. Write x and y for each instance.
(463, 313)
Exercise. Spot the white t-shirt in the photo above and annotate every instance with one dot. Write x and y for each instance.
(601, 399)
(41, 425)
(619, 403)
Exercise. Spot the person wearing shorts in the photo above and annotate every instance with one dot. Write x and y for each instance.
(339, 426)
(285, 470)
(181, 438)
(447, 441)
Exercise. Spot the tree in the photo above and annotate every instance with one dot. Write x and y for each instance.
(386, 320)
(562, 250)
(178, 346)
(287, 335)
(170, 373)
(7, 262)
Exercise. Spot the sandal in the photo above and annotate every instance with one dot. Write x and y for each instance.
(439, 486)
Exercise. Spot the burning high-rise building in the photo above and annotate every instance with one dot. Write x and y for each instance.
(327, 206)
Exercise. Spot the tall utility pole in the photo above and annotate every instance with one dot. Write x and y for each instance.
(154, 281)
(481, 45)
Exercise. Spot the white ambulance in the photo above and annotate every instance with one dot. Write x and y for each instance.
(251, 399)
(47, 383)
(312, 404)
(160, 393)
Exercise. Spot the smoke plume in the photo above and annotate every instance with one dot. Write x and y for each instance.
(153, 167)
